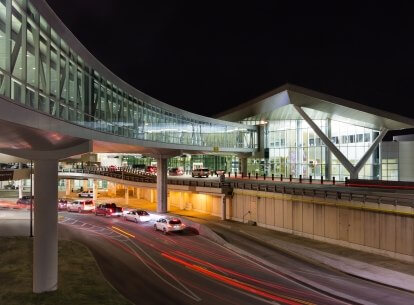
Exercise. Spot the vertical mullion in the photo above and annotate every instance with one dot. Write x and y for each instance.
(36, 42)
(24, 51)
(58, 72)
(47, 72)
(7, 81)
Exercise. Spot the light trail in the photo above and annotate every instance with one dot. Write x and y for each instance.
(234, 283)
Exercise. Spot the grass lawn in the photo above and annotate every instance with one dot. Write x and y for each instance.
(80, 280)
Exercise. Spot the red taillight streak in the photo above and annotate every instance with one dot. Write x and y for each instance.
(230, 281)
(242, 275)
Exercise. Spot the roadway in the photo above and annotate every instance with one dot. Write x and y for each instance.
(151, 268)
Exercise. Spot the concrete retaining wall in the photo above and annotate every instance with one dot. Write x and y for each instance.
(377, 228)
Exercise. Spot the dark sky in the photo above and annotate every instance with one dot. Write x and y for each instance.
(207, 56)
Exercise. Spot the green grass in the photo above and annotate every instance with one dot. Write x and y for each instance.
(80, 280)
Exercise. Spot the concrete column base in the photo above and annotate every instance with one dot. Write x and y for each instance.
(45, 245)
(162, 185)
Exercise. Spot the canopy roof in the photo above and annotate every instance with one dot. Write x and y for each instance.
(277, 105)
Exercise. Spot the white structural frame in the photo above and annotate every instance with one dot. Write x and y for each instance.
(352, 169)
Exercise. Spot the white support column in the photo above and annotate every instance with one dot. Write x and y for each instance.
(223, 207)
(95, 190)
(243, 167)
(85, 185)
(33, 184)
(20, 184)
(67, 186)
(126, 195)
(368, 153)
(182, 202)
(45, 245)
(338, 154)
(161, 185)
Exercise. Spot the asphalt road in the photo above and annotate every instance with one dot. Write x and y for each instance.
(151, 268)
(326, 279)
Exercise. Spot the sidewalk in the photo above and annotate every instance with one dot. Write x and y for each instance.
(376, 268)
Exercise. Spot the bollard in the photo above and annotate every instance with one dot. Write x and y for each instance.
(235, 174)
(273, 177)
(257, 176)
(333, 180)
(249, 175)
(346, 180)
(290, 178)
(321, 179)
(310, 179)
(264, 176)
(229, 174)
(300, 178)
(281, 177)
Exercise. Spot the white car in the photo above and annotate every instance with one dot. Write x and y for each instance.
(137, 215)
(169, 224)
(80, 206)
(200, 172)
(86, 194)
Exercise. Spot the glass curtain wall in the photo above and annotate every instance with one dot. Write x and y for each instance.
(294, 149)
(40, 70)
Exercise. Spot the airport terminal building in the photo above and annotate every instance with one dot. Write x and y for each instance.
(303, 132)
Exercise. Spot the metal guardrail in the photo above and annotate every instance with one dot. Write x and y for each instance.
(135, 175)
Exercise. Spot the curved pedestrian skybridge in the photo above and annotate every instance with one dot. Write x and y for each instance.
(44, 67)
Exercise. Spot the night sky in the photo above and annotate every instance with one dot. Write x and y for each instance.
(207, 56)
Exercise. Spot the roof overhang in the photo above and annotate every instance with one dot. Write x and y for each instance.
(277, 105)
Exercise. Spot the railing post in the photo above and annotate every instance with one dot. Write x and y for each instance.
(248, 175)
(235, 174)
(310, 179)
(333, 180)
(273, 177)
(346, 180)
(229, 174)
(281, 177)
(264, 176)
(321, 179)
(290, 178)
(300, 178)
(257, 176)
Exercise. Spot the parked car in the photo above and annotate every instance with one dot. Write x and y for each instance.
(220, 172)
(169, 224)
(25, 200)
(86, 194)
(139, 166)
(175, 171)
(200, 172)
(137, 215)
(62, 204)
(108, 209)
(11, 187)
(112, 168)
(151, 169)
(80, 206)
